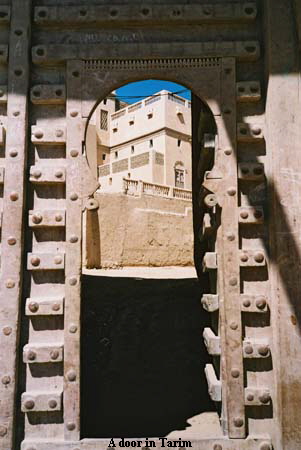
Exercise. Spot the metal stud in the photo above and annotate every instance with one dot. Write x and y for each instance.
(37, 218)
(58, 259)
(233, 325)
(39, 134)
(10, 283)
(231, 191)
(6, 380)
(246, 303)
(59, 133)
(74, 153)
(52, 403)
(250, 397)
(58, 218)
(259, 257)
(56, 307)
(37, 174)
(13, 153)
(265, 446)
(11, 240)
(230, 236)
(73, 197)
(33, 307)
(73, 239)
(238, 422)
(7, 331)
(70, 426)
(35, 261)
(3, 430)
(14, 196)
(263, 350)
(72, 328)
(244, 214)
(265, 398)
(54, 354)
(31, 355)
(233, 281)
(74, 113)
(244, 258)
(235, 373)
(72, 281)
(261, 303)
(29, 404)
(58, 174)
(248, 349)
(71, 375)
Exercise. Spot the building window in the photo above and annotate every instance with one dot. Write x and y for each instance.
(110, 181)
(179, 177)
(132, 149)
(151, 143)
(131, 122)
(116, 154)
(150, 115)
(115, 129)
(103, 120)
(105, 101)
(104, 156)
(179, 142)
(129, 175)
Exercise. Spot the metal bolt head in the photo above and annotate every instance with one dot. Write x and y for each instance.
(59, 133)
(29, 404)
(35, 261)
(37, 174)
(10, 283)
(14, 196)
(246, 303)
(256, 131)
(54, 354)
(210, 200)
(72, 328)
(7, 331)
(261, 303)
(73, 239)
(72, 281)
(6, 380)
(263, 350)
(70, 426)
(3, 430)
(233, 281)
(238, 422)
(71, 375)
(244, 257)
(265, 398)
(230, 236)
(73, 197)
(59, 174)
(74, 113)
(52, 403)
(39, 134)
(58, 259)
(56, 307)
(33, 307)
(244, 214)
(231, 191)
(11, 240)
(74, 153)
(37, 218)
(31, 355)
(265, 446)
(217, 447)
(13, 153)
(257, 214)
(233, 325)
(259, 257)
(249, 349)
(228, 151)
(58, 217)
(235, 373)
(250, 397)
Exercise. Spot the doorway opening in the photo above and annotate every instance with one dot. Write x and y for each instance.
(142, 351)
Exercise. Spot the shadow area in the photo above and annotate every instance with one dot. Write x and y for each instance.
(143, 356)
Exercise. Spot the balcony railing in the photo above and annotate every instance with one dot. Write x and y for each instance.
(138, 188)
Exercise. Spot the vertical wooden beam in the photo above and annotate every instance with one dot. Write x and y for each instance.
(74, 180)
(12, 225)
(230, 316)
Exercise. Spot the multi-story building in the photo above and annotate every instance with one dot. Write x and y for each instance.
(149, 140)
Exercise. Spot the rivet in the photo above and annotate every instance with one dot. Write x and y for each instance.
(3, 430)
(59, 174)
(13, 153)
(231, 191)
(71, 375)
(54, 354)
(11, 240)
(256, 131)
(31, 355)
(56, 307)
(1, 92)
(37, 93)
(243, 131)
(259, 257)
(247, 303)
(244, 257)
(58, 259)
(145, 11)
(40, 51)
(6, 380)
(248, 349)
(250, 397)
(265, 446)
(233, 325)
(73, 197)
(258, 170)
(72, 328)
(235, 373)
(35, 261)
(58, 217)
(39, 134)
(37, 218)
(59, 133)
(263, 350)
(227, 111)
(73, 239)
(10, 283)
(217, 447)
(261, 303)
(238, 422)
(72, 281)
(230, 236)
(244, 214)
(18, 72)
(58, 92)
(70, 426)
(257, 214)
(74, 153)
(33, 307)
(37, 174)
(14, 196)
(233, 281)
(52, 403)
(228, 151)
(16, 113)
(74, 113)
(265, 398)
(7, 331)
(250, 48)
(29, 404)
(244, 170)
(75, 74)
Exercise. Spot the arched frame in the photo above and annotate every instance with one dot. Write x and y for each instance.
(213, 80)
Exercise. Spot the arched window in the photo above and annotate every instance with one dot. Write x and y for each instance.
(179, 174)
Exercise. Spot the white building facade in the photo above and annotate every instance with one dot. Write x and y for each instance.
(148, 141)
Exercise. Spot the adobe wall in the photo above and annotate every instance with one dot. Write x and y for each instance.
(140, 231)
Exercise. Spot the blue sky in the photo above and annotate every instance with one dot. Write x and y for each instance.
(142, 89)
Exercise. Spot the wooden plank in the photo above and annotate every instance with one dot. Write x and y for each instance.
(12, 235)
(73, 253)
(59, 53)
